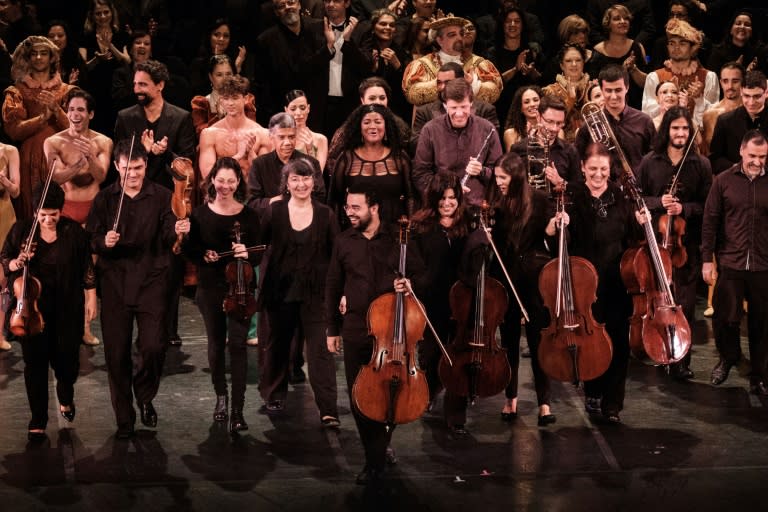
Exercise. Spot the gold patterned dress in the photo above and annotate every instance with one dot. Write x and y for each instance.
(22, 122)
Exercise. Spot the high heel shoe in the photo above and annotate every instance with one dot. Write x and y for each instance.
(70, 414)
(508, 417)
(220, 411)
(546, 419)
(236, 421)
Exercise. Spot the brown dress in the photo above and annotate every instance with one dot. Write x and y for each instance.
(20, 119)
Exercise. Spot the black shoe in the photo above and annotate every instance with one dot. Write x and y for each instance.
(297, 376)
(547, 419)
(220, 411)
(175, 341)
(272, 407)
(125, 432)
(592, 405)
(758, 388)
(236, 421)
(36, 437)
(390, 457)
(369, 476)
(459, 430)
(330, 422)
(681, 371)
(509, 417)
(70, 414)
(148, 415)
(720, 372)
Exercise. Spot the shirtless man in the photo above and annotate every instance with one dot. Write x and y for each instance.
(235, 135)
(82, 158)
(731, 78)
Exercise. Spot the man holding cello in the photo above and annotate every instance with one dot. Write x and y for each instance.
(132, 231)
(676, 181)
(363, 266)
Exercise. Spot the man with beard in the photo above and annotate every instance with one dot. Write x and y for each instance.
(655, 174)
(731, 78)
(741, 251)
(235, 136)
(82, 159)
(420, 77)
(697, 84)
(134, 264)
(459, 143)
(364, 265)
(166, 132)
(730, 127)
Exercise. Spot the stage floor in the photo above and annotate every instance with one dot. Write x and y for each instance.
(681, 446)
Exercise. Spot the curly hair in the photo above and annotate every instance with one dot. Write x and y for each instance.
(23, 54)
(352, 136)
(516, 118)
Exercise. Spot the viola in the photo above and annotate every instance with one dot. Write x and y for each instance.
(182, 172)
(480, 366)
(574, 347)
(391, 388)
(240, 302)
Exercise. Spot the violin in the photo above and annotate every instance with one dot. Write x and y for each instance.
(480, 365)
(239, 303)
(26, 319)
(182, 172)
(574, 347)
(391, 388)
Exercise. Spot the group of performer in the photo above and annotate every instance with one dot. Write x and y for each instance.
(416, 307)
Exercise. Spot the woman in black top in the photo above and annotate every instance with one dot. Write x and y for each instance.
(60, 244)
(602, 226)
(300, 232)
(210, 230)
(439, 234)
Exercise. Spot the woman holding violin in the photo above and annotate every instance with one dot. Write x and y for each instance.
(523, 215)
(225, 288)
(52, 329)
(300, 232)
(675, 181)
(602, 225)
(439, 233)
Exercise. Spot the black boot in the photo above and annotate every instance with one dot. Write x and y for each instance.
(236, 421)
(220, 411)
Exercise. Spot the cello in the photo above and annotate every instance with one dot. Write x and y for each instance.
(239, 302)
(392, 389)
(574, 346)
(480, 366)
(26, 319)
(659, 333)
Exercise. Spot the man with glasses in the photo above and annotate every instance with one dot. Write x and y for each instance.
(563, 159)
(420, 77)
(731, 127)
(699, 87)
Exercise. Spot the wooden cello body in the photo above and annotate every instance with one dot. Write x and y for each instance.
(574, 347)
(391, 388)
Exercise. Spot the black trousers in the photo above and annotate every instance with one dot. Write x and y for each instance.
(175, 283)
(139, 376)
(291, 320)
(63, 356)
(375, 437)
(219, 328)
(731, 289)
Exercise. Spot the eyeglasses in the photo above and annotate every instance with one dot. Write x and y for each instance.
(352, 208)
(551, 122)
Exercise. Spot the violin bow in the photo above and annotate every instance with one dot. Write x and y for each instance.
(44, 194)
(253, 248)
(125, 178)
(429, 324)
(504, 269)
(673, 186)
(479, 153)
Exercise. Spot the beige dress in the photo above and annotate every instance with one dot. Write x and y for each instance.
(7, 215)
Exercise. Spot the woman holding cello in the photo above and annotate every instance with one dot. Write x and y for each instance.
(523, 214)
(222, 224)
(439, 233)
(53, 329)
(300, 232)
(602, 225)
